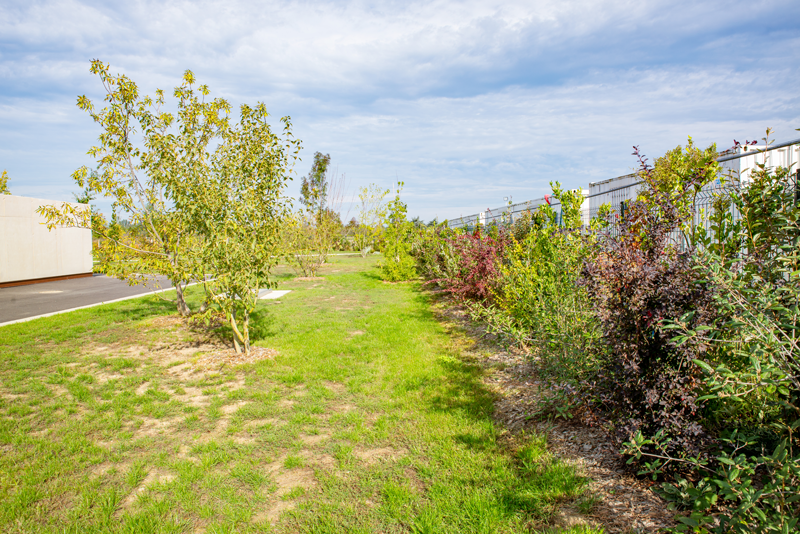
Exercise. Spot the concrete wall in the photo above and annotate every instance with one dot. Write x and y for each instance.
(609, 192)
(28, 250)
(788, 156)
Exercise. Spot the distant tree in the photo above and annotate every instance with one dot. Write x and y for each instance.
(417, 222)
(372, 212)
(4, 184)
(309, 237)
(314, 189)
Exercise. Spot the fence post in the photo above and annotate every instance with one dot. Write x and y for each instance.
(797, 188)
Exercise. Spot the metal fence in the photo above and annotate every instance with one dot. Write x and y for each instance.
(618, 198)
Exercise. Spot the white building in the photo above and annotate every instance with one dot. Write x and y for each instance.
(30, 253)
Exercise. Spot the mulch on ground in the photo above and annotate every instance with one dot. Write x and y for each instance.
(625, 503)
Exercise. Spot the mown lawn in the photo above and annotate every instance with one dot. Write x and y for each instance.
(367, 420)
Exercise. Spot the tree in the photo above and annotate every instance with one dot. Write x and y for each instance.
(4, 184)
(314, 189)
(236, 206)
(140, 156)
(311, 233)
(372, 212)
(203, 196)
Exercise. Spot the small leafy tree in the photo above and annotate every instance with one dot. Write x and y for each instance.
(204, 196)
(4, 183)
(372, 212)
(398, 263)
(313, 232)
(236, 210)
(308, 239)
(140, 158)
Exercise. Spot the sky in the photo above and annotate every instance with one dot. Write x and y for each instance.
(467, 103)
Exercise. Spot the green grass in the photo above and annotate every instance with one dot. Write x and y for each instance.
(368, 420)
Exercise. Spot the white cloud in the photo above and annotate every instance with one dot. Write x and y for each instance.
(466, 101)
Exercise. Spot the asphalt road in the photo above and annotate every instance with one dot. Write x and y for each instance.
(21, 302)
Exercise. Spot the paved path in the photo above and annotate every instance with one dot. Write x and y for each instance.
(22, 302)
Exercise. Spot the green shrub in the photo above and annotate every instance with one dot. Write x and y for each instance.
(397, 263)
(538, 290)
(750, 482)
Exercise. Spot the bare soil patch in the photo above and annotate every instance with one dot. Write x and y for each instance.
(342, 407)
(154, 427)
(220, 358)
(313, 439)
(288, 480)
(273, 511)
(335, 387)
(257, 423)
(192, 396)
(103, 377)
(383, 454)
(230, 409)
(325, 461)
(184, 454)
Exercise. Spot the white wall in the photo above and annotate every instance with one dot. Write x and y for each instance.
(28, 250)
(609, 192)
(788, 156)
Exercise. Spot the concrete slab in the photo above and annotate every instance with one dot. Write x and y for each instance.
(272, 293)
(266, 294)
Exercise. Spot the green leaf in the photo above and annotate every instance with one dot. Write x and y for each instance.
(704, 366)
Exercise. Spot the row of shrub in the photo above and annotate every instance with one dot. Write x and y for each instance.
(681, 341)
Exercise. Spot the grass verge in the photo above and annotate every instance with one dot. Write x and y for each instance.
(367, 420)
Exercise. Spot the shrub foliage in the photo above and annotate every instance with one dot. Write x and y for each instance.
(679, 333)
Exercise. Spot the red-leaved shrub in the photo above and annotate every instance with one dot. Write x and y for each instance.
(478, 257)
(638, 280)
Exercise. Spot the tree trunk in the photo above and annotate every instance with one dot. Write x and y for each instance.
(183, 308)
(237, 336)
(246, 332)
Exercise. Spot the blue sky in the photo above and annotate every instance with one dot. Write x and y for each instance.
(466, 102)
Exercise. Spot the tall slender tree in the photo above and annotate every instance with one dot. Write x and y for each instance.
(314, 189)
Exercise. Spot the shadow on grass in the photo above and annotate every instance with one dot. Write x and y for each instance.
(261, 327)
(463, 391)
(372, 275)
(529, 487)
